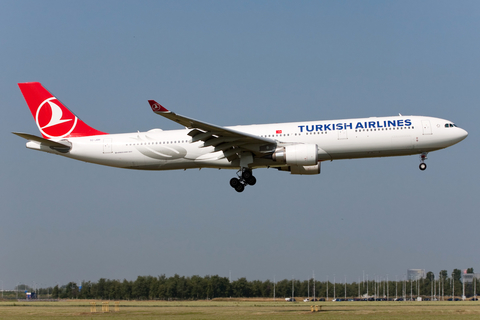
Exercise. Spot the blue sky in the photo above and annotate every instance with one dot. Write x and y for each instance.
(234, 63)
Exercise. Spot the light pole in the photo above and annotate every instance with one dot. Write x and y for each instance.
(418, 288)
(387, 289)
(358, 287)
(443, 289)
(439, 286)
(327, 289)
(396, 288)
(334, 293)
(411, 290)
(367, 285)
(432, 281)
(293, 290)
(384, 288)
(313, 285)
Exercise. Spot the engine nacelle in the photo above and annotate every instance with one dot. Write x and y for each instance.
(315, 169)
(297, 155)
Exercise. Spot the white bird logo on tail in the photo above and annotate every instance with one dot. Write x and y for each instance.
(57, 114)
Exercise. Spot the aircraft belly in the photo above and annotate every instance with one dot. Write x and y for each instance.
(372, 146)
(373, 154)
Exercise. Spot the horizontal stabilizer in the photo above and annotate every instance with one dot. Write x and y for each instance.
(60, 146)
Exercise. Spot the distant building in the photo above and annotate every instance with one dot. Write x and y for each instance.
(415, 274)
(468, 277)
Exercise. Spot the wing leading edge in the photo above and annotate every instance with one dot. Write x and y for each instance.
(232, 142)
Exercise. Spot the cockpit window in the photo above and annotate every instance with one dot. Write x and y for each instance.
(449, 125)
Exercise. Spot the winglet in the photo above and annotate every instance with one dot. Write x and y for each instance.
(157, 107)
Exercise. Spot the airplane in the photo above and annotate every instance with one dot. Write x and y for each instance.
(295, 147)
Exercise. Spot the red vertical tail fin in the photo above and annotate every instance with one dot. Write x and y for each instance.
(53, 118)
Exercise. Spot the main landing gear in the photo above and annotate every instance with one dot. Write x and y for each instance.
(245, 177)
(423, 165)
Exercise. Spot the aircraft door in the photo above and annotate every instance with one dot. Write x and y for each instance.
(427, 129)
(342, 135)
(107, 145)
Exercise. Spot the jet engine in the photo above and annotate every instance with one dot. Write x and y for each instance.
(297, 155)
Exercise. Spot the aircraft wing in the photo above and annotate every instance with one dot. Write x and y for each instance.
(231, 142)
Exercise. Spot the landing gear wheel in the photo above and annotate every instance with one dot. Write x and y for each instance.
(423, 157)
(247, 174)
(251, 181)
(244, 178)
(234, 182)
(240, 188)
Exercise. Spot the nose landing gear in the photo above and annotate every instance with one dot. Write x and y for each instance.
(245, 177)
(423, 165)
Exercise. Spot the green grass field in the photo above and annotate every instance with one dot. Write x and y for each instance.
(241, 309)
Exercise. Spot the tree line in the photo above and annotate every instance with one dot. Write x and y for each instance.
(209, 287)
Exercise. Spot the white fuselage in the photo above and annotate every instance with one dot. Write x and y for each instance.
(336, 139)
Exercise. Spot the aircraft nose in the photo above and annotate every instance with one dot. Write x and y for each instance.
(462, 134)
